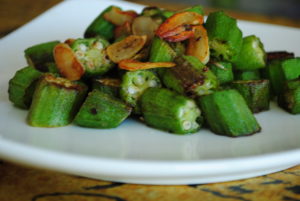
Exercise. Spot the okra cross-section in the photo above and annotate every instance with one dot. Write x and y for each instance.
(55, 101)
(101, 110)
(226, 113)
(169, 111)
(134, 83)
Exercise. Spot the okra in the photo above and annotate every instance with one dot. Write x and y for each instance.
(190, 77)
(225, 37)
(197, 9)
(41, 54)
(255, 92)
(101, 110)
(222, 70)
(280, 71)
(55, 101)
(226, 113)
(22, 85)
(133, 85)
(161, 51)
(247, 75)
(109, 86)
(289, 99)
(279, 55)
(100, 27)
(169, 111)
(252, 55)
(92, 55)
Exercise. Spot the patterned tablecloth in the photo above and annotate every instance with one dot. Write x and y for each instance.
(18, 183)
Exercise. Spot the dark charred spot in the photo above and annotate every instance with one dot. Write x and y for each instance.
(94, 111)
(279, 55)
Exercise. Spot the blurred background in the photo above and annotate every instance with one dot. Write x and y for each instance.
(14, 13)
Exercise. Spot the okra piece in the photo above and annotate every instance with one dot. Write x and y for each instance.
(197, 9)
(252, 55)
(21, 86)
(55, 101)
(133, 85)
(280, 71)
(40, 54)
(190, 77)
(247, 75)
(155, 13)
(100, 27)
(109, 86)
(225, 37)
(161, 51)
(255, 92)
(226, 113)
(166, 110)
(101, 110)
(222, 70)
(92, 55)
(289, 99)
(279, 55)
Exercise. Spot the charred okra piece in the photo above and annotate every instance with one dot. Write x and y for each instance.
(255, 92)
(55, 101)
(133, 85)
(222, 70)
(252, 55)
(41, 54)
(92, 55)
(169, 111)
(280, 71)
(279, 55)
(22, 85)
(100, 27)
(190, 77)
(247, 75)
(290, 98)
(109, 86)
(101, 110)
(225, 37)
(227, 113)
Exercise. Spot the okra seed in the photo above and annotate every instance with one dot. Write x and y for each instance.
(98, 46)
(139, 80)
(187, 125)
(152, 83)
(131, 90)
(82, 47)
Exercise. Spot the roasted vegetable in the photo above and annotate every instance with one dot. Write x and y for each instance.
(161, 51)
(55, 102)
(100, 27)
(227, 113)
(290, 98)
(252, 55)
(22, 85)
(169, 111)
(255, 92)
(225, 37)
(110, 86)
(133, 65)
(133, 85)
(41, 54)
(247, 75)
(190, 77)
(101, 110)
(222, 70)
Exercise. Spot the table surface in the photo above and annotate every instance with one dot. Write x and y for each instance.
(31, 184)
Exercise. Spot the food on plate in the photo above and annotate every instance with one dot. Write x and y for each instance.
(172, 70)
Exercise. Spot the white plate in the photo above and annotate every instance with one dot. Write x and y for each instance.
(133, 152)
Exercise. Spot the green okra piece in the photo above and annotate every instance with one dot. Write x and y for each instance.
(222, 70)
(280, 71)
(109, 86)
(255, 92)
(190, 77)
(247, 75)
(102, 110)
(133, 85)
(40, 54)
(197, 9)
(55, 101)
(289, 99)
(92, 55)
(226, 113)
(22, 85)
(100, 27)
(161, 51)
(169, 111)
(252, 55)
(225, 37)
